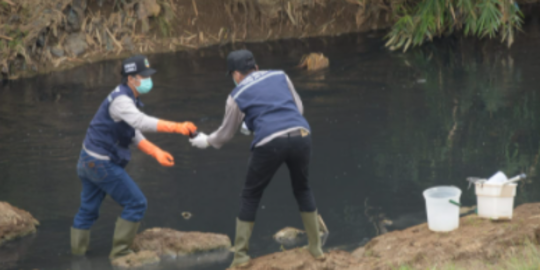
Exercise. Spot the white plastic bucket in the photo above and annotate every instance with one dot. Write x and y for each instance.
(495, 201)
(442, 211)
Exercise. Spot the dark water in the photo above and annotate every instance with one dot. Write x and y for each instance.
(386, 126)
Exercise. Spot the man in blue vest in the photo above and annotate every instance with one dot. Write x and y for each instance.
(269, 106)
(118, 124)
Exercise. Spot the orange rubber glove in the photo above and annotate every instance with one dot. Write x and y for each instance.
(185, 128)
(164, 158)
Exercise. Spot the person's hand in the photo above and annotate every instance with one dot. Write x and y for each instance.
(201, 141)
(184, 128)
(164, 158)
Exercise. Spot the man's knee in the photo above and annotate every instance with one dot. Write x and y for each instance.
(135, 210)
(139, 204)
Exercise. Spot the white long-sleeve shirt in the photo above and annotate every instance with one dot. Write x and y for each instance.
(122, 108)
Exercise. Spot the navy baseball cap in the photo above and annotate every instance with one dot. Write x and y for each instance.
(137, 65)
(240, 60)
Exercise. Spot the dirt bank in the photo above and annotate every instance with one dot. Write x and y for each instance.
(477, 244)
(46, 35)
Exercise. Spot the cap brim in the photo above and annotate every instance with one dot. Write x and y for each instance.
(147, 73)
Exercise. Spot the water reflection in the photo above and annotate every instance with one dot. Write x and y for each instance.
(12, 252)
(386, 127)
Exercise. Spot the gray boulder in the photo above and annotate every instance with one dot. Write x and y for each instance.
(57, 51)
(76, 44)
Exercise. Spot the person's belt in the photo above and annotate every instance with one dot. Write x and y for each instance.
(296, 133)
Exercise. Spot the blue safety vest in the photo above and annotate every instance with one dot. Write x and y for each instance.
(107, 137)
(268, 104)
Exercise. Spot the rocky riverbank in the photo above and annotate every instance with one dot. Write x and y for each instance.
(41, 36)
(477, 244)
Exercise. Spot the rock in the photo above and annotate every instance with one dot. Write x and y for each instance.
(169, 242)
(108, 42)
(359, 252)
(76, 14)
(137, 260)
(476, 239)
(271, 8)
(76, 44)
(40, 41)
(15, 222)
(382, 226)
(314, 61)
(73, 20)
(148, 8)
(80, 4)
(57, 51)
(187, 215)
(127, 42)
(14, 19)
(288, 236)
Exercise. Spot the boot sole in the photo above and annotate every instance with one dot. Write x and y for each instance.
(241, 265)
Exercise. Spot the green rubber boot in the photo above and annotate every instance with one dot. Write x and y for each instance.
(241, 243)
(80, 240)
(311, 225)
(124, 234)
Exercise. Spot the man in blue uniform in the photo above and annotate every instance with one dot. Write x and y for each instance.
(118, 124)
(269, 106)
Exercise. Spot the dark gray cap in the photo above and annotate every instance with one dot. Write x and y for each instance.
(137, 65)
(240, 60)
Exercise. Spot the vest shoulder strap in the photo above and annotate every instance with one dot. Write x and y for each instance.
(254, 79)
(121, 91)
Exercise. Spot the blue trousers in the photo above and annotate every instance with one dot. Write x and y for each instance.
(102, 177)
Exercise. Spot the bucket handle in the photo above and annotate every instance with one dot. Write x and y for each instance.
(455, 203)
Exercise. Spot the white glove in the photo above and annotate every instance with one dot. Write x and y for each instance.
(201, 141)
(245, 130)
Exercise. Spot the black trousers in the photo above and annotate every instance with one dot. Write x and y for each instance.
(295, 151)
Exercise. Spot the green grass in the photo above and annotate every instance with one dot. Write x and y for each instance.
(424, 20)
(527, 258)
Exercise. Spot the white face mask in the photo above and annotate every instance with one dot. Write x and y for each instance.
(235, 83)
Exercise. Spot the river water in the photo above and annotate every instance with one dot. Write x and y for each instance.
(386, 126)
